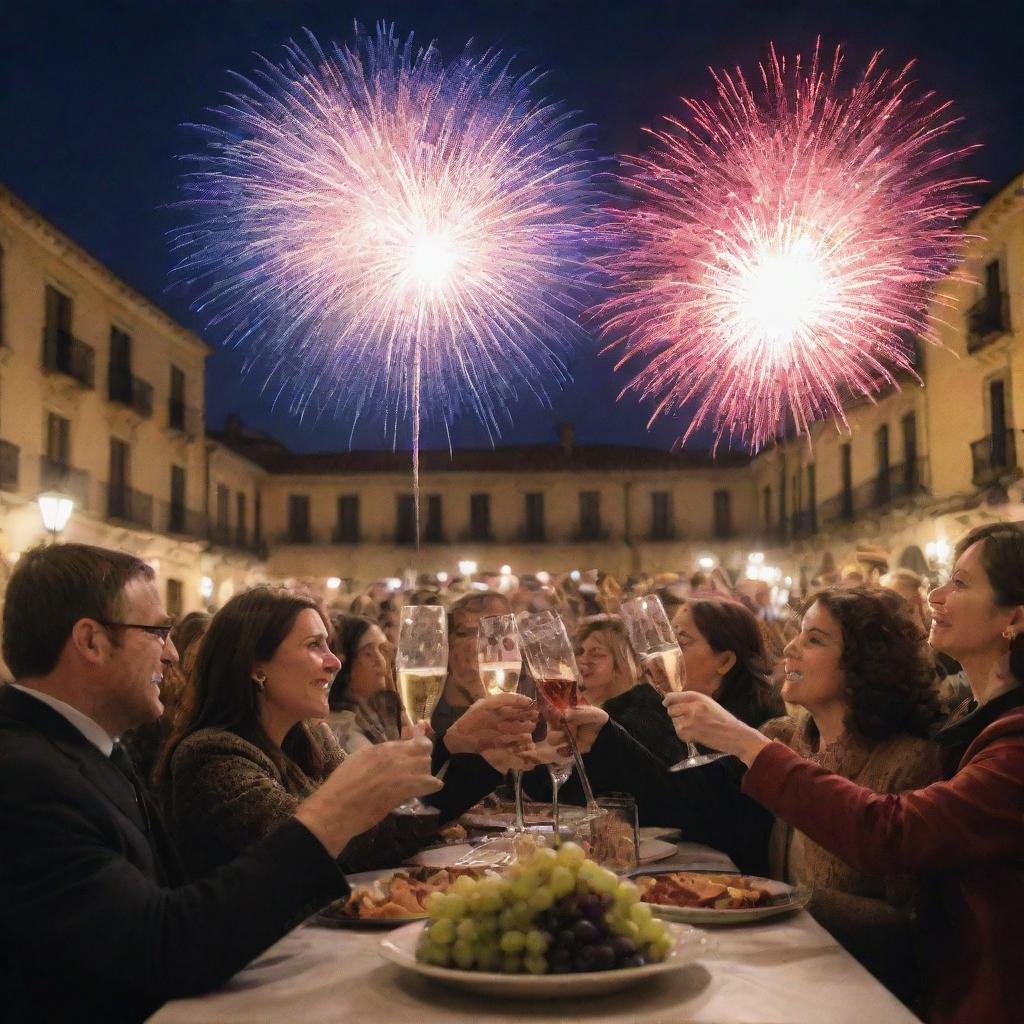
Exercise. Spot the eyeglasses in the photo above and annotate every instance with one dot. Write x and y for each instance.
(160, 632)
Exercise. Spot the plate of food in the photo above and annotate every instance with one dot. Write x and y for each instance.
(389, 898)
(712, 898)
(400, 947)
(652, 850)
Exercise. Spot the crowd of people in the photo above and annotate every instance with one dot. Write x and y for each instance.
(161, 782)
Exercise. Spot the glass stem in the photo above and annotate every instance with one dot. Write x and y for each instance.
(520, 819)
(555, 785)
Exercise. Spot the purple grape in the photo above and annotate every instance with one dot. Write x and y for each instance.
(585, 931)
(566, 938)
(603, 958)
(560, 962)
(623, 947)
(583, 961)
(636, 960)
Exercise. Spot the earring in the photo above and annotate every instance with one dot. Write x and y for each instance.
(260, 679)
(1009, 634)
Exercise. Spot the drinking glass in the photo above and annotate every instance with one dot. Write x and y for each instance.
(614, 835)
(422, 668)
(549, 656)
(654, 641)
(500, 662)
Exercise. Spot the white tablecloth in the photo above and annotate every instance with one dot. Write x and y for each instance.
(781, 971)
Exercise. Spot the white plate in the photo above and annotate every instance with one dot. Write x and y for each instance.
(784, 899)
(652, 850)
(400, 948)
(440, 856)
(666, 832)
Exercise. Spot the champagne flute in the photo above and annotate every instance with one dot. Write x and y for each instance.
(422, 668)
(549, 656)
(500, 662)
(660, 656)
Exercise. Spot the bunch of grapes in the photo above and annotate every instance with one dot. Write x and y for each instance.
(554, 912)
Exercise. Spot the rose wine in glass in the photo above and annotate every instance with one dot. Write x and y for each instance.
(655, 643)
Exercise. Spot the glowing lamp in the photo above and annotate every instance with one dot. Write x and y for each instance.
(55, 509)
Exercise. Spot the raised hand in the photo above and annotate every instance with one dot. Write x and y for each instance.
(699, 719)
(500, 725)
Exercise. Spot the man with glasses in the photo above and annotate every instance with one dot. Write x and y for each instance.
(94, 921)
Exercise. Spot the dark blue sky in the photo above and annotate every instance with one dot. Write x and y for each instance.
(93, 95)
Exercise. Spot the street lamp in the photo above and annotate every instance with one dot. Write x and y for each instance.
(55, 509)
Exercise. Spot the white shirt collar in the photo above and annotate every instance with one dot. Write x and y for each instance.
(94, 733)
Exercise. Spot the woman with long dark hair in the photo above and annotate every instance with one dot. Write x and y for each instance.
(252, 744)
(962, 836)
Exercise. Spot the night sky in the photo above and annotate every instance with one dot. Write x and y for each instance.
(93, 96)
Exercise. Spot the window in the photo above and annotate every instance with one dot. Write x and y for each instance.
(1, 294)
(662, 527)
(812, 498)
(783, 511)
(241, 514)
(176, 522)
(257, 518)
(223, 498)
(57, 336)
(883, 490)
(347, 528)
(175, 602)
(58, 440)
(433, 528)
(298, 518)
(590, 515)
(118, 500)
(479, 517)
(405, 519)
(176, 404)
(846, 476)
(534, 517)
(120, 376)
(997, 421)
(911, 474)
(994, 291)
(723, 515)
(766, 509)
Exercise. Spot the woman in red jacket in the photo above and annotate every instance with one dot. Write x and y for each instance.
(964, 836)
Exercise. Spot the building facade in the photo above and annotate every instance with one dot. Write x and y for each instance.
(101, 398)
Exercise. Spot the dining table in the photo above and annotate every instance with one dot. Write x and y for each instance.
(782, 970)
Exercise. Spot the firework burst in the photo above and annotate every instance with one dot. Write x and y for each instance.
(778, 255)
(389, 234)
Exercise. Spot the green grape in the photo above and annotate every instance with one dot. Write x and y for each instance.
(491, 900)
(535, 964)
(542, 898)
(511, 965)
(618, 925)
(522, 887)
(464, 885)
(467, 930)
(475, 902)
(489, 956)
(640, 914)
(603, 881)
(545, 857)
(562, 881)
(536, 941)
(454, 906)
(652, 931)
(571, 855)
(442, 932)
(627, 894)
(507, 920)
(433, 903)
(523, 914)
(486, 925)
(463, 954)
(587, 872)
(512, 942)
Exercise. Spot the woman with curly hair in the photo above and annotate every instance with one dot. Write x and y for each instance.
(862, 673)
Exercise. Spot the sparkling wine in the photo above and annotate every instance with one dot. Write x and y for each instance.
(662, 666)
(500, 676)
(420, 688)
(559, 692)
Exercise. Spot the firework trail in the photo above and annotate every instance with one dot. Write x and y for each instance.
(778, 255)
(388, 234)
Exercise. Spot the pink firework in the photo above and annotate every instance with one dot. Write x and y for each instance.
(779, 253)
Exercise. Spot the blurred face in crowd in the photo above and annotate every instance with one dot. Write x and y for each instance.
(298, 676)
(369, 672)
(911, 593)
(966, 621)
(814, 678)
(462, 656)
(136, 661)
(705, 667)
(598, 675)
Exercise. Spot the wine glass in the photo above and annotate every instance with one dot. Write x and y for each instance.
(549, 656)
(500, 663)
(656, 646)
(422, 668)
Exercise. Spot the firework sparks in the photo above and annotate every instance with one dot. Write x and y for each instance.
(782, 243)
(386, 233)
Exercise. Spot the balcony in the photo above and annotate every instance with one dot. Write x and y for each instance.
(662, 535)
(803, 524)
(987, 320)
(993, 458)
(9, 458)
(589, 533)
(56, 476)
(477, 536)
(129, 506)
(130, 391)
(184, 419)
(345, 536)
(531, 534)
(173, 517)
(289, 537)
(64, 354)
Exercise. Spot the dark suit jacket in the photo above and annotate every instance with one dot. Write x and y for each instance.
(90, 929)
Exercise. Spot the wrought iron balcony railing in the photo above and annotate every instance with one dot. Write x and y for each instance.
(987, 320)
(994, 457)
(129, 506)
(56, 476)
(65, 354)
(9, 459)
(131, 391)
